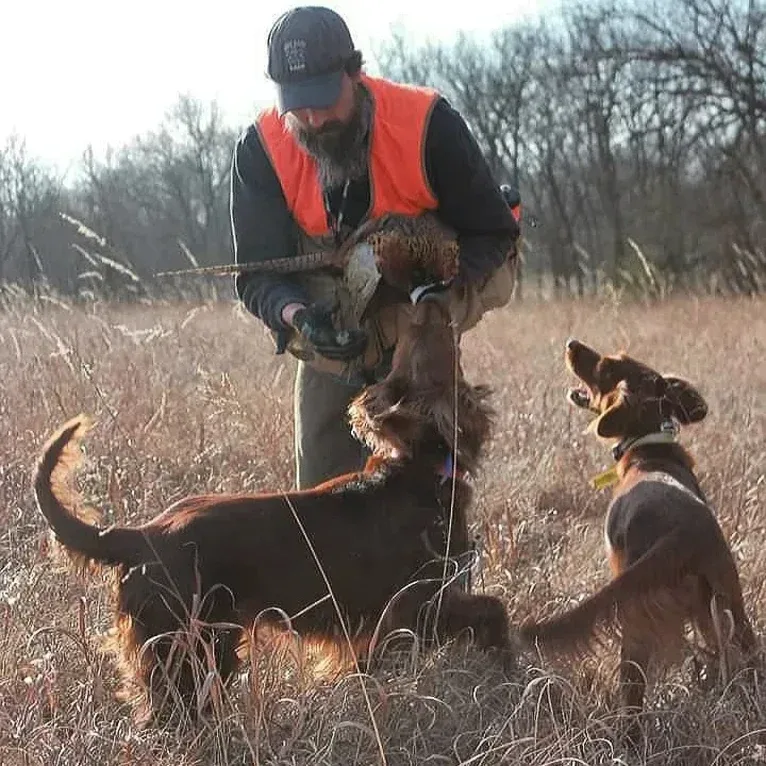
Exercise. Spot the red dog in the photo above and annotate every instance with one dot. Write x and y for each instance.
(669, 559)
(193, 581)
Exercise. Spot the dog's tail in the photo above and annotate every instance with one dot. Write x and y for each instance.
(577, 630)
(74, 526)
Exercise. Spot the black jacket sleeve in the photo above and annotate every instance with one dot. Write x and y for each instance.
(469, 197)
(262, 228)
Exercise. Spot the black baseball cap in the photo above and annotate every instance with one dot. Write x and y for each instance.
(308, 48)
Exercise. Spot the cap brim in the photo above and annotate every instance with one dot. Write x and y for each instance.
(314, 93)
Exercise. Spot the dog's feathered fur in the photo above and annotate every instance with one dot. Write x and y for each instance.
(670, 561)
(216, 562)
(420, 395)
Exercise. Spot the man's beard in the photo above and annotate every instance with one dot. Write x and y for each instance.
(340, 149)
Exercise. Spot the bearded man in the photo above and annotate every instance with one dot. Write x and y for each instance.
(338, 149)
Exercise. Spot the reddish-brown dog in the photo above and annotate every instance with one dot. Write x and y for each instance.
(383, 541)
(670, 561)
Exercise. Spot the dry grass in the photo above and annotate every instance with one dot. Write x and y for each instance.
(191, 398)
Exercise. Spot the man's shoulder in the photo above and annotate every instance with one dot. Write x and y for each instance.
(248, 140)
(447, 124)
(250, 153)
(445, 112)
(264, 116)
(441, 101)
(385, 86)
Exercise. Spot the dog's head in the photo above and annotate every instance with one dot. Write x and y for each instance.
(424, 406)
(630, 398)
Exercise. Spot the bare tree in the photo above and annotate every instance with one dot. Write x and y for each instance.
(29, 198)
(165, 195)
(636, 131)
(623, 123)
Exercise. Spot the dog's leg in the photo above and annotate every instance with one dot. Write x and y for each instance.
(483, 616)
(724, 580)
(705, 626)
(731, 634)
(435, 616)
(744, 637)
(634, 663)
(190, 671)
(169, 678)
(452, 614)
(722, 619)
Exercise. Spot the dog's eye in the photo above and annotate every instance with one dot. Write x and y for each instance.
(605, 378)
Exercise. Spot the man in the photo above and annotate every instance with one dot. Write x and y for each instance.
(338, 149)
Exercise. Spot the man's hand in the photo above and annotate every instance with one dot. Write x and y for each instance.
(315, 325)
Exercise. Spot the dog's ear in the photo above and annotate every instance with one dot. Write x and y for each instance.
(476, 419)
(686, 403)
(378, 419)
(480, 413)
(380, 399)
(616, 419)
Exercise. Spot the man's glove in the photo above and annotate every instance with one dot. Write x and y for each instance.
(314, 323)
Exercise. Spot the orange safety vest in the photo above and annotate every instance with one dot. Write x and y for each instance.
(398, 180)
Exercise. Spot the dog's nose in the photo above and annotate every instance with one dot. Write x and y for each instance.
(572, 342)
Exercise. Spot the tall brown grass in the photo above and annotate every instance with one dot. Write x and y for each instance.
(190, 397)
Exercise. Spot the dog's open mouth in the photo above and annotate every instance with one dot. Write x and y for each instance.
(580, 397)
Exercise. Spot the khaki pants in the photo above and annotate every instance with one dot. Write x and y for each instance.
(324, 446)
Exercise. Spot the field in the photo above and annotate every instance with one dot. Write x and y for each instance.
(191, 398)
